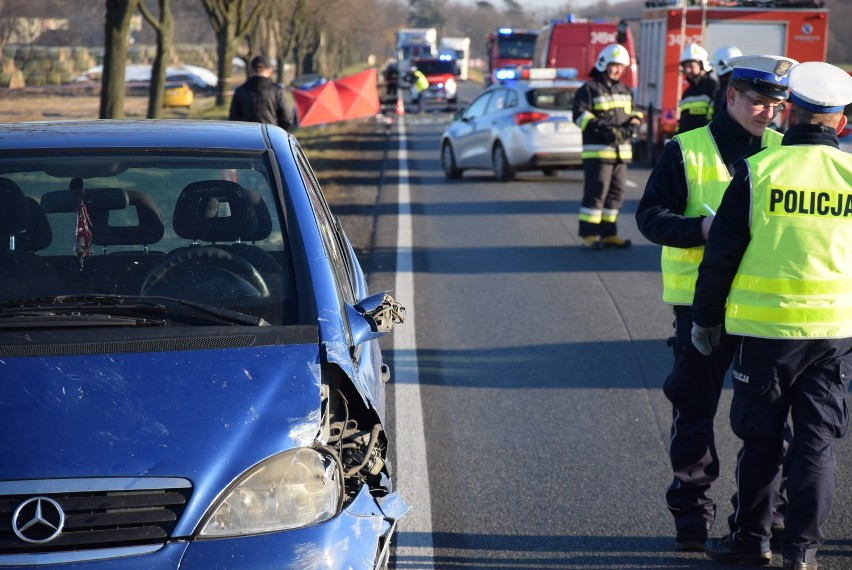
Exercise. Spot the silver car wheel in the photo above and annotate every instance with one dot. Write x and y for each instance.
(448, 162)
(500, 164)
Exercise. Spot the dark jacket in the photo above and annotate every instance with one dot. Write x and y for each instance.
(659, 215)
(260, 100)
(705, 88)
(604, 124)
(730, 234)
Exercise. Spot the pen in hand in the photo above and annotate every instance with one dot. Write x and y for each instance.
(709, 209)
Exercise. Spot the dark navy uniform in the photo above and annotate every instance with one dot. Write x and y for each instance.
(696, 103)
(603, 110)
(695, 383)
(803, 374)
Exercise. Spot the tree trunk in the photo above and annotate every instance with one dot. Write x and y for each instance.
(116, 32)
(164, 26)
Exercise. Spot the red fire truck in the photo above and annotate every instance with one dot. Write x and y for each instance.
(576, 42)
(798, 30)
(508, 47)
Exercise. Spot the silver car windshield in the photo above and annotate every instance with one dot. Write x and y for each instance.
(203, 230)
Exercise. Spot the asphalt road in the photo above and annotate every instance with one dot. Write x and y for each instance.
(530, 426)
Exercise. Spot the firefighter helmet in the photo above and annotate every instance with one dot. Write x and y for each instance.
(721, 57)
(694, 52)
(613, 53)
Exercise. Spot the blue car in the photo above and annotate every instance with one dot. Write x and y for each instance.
(190, 374)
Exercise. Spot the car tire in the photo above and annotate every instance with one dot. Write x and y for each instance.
(500, 164)
(448, 162)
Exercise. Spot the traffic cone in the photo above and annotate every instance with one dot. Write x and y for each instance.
(400, 106)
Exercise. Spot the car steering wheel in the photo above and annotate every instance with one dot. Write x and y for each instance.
(204, 274)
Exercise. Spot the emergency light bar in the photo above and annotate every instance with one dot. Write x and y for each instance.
(535, 73)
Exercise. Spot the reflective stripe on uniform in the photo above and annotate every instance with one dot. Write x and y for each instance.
(583, 120)
(609, 215)
(590, 215)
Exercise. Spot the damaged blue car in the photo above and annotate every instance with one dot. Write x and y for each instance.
(190, 374)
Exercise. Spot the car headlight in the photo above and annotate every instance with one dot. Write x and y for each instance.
(294, 489)
(450, 85)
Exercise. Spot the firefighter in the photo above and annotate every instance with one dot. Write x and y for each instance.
(723, 73)
(693, 171)
(696, 104)
(603, 109)
(779, 253)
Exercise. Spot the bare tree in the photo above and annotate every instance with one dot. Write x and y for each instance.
(116, 32)
(231, 24)
(164, 25)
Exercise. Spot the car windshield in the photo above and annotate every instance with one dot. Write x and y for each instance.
(180, 229)
(552, 98)
(436, 67)
(517, 46)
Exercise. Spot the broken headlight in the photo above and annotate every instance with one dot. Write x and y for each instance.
(294, 489)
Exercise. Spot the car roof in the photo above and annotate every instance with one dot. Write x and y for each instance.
(134, 134)
(543, 84)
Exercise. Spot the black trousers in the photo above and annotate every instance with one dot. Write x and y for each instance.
(694, 387)
(807, 381)
(604, 186)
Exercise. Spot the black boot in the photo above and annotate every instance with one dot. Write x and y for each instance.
(726, 549)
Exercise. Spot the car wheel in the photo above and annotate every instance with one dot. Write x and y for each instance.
(448, 162)
(549, 171)
(500, 164)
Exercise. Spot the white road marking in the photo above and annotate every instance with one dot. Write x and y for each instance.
(414, 538)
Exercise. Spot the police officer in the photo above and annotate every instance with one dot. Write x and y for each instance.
(603, 109)
(779, 253)
(691, 176)
(723, 73)
(696, 103)
(419, 83)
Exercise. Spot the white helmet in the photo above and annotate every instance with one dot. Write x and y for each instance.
(694, 52)
(721, 57)
(613, 53)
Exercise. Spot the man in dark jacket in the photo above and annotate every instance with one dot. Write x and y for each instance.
(676, 211)
(776, 271)
(260, 99)
(603, 109)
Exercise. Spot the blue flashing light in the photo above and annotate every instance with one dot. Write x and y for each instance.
(444, 57)
(506, 74)
(504, 31)
(571, 18)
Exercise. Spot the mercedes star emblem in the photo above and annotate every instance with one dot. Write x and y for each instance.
(38, 520)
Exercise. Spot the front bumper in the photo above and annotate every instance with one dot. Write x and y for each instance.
(357, 538)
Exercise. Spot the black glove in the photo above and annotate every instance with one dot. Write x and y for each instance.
(605, 133)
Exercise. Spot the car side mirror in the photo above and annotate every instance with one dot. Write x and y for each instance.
(374, 316)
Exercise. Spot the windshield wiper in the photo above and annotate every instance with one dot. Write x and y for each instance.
(49, 319)
(122, 305)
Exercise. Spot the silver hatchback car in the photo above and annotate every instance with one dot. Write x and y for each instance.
(522, 123)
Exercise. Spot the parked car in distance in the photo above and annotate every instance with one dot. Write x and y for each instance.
(189, 354)
(177, 94)
(523, 122)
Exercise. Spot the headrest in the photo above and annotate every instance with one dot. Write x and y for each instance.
(66, 201)
(149, 229)
(38, 235)
(15, 215)
(197, 214)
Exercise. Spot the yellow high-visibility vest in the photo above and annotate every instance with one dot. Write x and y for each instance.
(795, 278)
(707, 177)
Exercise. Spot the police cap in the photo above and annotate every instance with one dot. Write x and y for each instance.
(766, 74)
(820, 87)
